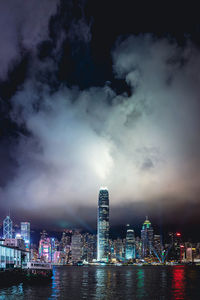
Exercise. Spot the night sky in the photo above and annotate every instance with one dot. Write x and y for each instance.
(100, 93)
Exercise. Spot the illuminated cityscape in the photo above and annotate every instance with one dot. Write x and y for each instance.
(99, 150)
(79, 247)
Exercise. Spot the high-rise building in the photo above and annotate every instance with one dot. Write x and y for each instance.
(65, 240)
(147, 238)
(119, 249)
(18, 242)
(77, 247)
(7, 228)
(138, 247)
(25, 233)
(112, 252)
(157, 244)
(65, 246)
(45, 247)
(175, 246)
(54, 247)
(89, 247)
(103, 226)
(130, 243)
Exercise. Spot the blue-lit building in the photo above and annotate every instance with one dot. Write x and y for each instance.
(103, 226)
(25, 233)
(11, 257)
(130, 244)
(7, 228)
(147, 238)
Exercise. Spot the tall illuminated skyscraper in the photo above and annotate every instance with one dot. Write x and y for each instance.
(130, 243)
(103, 226)
(147, 238)
(7, 228)
(25, 231)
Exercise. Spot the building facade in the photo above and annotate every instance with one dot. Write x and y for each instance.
(7, 228)
(175, 245)
(17, 242)
(45, 247)
(157, 240)
(77, 247)
(25, 233)
(11, 257)
(147, 238)
(130, 244)
(103, 226)
(89, 247)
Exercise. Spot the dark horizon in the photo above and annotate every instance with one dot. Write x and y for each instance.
(163, 221)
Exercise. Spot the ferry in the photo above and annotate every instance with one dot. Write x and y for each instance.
(36, 270)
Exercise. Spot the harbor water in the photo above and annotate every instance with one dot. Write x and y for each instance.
(112, 282)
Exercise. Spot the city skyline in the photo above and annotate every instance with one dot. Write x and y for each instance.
(76, 247)
(99, 149)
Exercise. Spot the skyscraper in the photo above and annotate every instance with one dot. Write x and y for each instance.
(7, 228)
(45, 247)
(130, 243)
(76, 246)
(103, 226)
(175, 245)
(157, 243)
(89, 247)
(147, 238)
(25, 232)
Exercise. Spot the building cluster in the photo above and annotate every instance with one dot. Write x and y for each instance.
(14, 250)
(73, 247)
(147, 248)
(76, 246)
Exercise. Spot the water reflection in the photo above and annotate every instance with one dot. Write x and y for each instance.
(55, 284)
(178, 282)
(130, 282)
(7, 293)
(102, 280)
(86, 284)
(140, 283)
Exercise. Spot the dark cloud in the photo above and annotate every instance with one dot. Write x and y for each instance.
(20, 31)
(147, 164)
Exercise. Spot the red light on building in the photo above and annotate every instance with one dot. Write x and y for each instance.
(178, 234)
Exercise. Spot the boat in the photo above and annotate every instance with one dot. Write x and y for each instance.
(37, 270)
